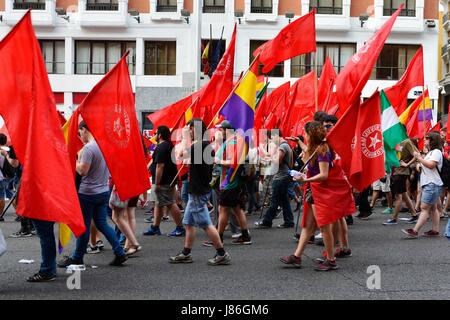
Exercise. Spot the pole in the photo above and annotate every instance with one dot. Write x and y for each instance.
(197, 43)
(316, 85)
(424, 114)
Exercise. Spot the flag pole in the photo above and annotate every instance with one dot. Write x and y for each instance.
(223, 104)
(316, 85)
(424, 114)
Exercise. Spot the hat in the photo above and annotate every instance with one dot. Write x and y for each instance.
(225, 125)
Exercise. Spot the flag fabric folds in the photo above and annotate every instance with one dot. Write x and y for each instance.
(28, 107)
(393, 132)
(109, 112)
(361, 150)
(298, 37)
(413, 77)
(325, 87)
(355, 74)
(239, 110)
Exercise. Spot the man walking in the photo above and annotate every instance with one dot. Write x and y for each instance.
(196, 214)
(94, 197)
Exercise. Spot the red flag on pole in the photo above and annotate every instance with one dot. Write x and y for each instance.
(170, 115)
(326, 83)
(28, 107)
(298, 37)
(413, 77)
(109, 112)
(354, 76)
(361, 150)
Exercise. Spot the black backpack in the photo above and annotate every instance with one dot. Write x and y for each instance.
(8, 170)
(445, 171)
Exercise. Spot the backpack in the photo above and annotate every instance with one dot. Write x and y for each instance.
(8, 170)
(444, 173)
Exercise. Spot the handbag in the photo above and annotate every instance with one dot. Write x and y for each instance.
(2, 243)
(115, 202)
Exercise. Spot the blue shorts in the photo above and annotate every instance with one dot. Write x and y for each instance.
(431, 193)
(4, 184)
(196, 213)
(291, 189)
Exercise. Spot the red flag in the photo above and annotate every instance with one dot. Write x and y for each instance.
(298, 37)
(325, 87)
(354, 76)
(361, 150)
(74, 144)
(27, 105)
(413, 77)
(436, 128)
(277, 102)
(302, 105)
(109, 112)
(61, 118)
(219, 87)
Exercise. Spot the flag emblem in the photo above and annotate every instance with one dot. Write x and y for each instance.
(118, 126)
(371, 143)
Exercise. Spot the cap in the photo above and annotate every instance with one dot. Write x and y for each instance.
(225, 125)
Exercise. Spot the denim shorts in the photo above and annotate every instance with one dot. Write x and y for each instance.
(431, 193)
(3, 187)
(196, 213)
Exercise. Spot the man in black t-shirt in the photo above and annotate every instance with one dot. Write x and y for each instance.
(196, 214)
(164, 171)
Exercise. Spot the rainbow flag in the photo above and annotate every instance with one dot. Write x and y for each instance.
(239, 110)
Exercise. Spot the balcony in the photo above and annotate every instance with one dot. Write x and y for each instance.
(166, 12)
(113, 14)
(330, 18)
(409, 21)
(213, 9)
(43, 12)
(28, 5)
(102, 7)
(261, 13)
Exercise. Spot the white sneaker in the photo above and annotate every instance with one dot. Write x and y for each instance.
(236, 235)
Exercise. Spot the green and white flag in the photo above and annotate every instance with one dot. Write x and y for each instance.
(393, 132)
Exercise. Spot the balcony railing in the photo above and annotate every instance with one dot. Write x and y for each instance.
(404, 13)
(99, 68)
(327, 10)
(261, 10)
(29, 5)
(445, 17)
(213, 9)
(102, 6)
(166, 8)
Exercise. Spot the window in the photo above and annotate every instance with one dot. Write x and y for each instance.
(393, 61)
(213, 6)
(339, 54)
(261, 6)
(161, 58)
(212, 51)
(53, 52)
(146, 123)
(390, 6)
(277, 71)
(29, 4)
(166, 6)
(98, 57)
(326, 6)
(102, 5)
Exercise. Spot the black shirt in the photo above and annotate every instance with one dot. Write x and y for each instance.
(200, 172)
(163, 154)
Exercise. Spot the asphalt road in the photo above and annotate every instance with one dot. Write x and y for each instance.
(410, 269)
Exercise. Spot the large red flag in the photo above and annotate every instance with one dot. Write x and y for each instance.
(277, 102)
(298, 37)
(219, 87)
(325, 87)
(354, 76)
(302, 105)
(28, 107)
(413, 77)
(361, 150)
(169, 116)
(109, 112)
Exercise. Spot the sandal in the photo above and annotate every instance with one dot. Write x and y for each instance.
(133, 249)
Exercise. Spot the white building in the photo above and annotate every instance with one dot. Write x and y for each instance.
(82, 39)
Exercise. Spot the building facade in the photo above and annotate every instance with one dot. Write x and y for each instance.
(82, 39)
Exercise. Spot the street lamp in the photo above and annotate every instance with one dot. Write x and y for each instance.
(185, 14)
(290, 16)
